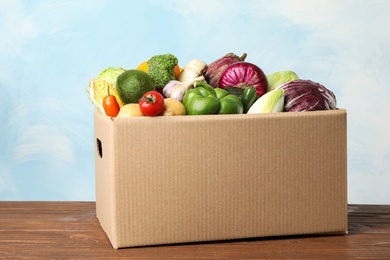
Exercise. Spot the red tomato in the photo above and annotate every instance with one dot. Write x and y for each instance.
(151, 103)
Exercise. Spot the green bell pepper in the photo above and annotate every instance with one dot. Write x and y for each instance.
(205, 100)
(248, 98)
(248, 95)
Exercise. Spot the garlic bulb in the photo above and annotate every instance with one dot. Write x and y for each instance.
(176, 89)
(193, 69)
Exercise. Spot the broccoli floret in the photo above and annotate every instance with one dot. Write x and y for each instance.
(161, 69)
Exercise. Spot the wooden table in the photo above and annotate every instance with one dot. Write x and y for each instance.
(70, 230)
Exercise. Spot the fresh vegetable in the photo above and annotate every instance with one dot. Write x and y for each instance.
(235, 91)
(277, 79)
(110, 105)
(270, 102)
(132, 84)
(247, 96)
(203, 100)
(177, 70)
(130, 110)
(161, 69)
(144, 66)
(97, 90)
(243, 75)
(173, 107)
(110, 75)
(193, 69)
(230, 104)
(216, 68)
(176, 89)
(227, 85)
(306, 95)
(151, 103)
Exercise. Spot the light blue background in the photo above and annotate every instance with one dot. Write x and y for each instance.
(49, 50)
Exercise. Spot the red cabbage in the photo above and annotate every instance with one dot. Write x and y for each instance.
(306, 95)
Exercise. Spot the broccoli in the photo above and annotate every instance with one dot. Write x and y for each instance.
(161, 69)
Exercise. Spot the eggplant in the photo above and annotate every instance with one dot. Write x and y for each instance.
(216, 68)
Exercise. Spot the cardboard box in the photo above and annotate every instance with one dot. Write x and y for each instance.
(182, 179)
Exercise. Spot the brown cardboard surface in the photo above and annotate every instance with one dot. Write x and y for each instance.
(199, 178)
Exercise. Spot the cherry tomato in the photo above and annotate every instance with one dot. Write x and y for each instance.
(151, 103)
(110, 105)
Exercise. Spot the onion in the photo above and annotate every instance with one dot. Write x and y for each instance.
(216, 68)
(244, 74)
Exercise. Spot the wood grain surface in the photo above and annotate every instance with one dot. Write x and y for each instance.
(70, 230)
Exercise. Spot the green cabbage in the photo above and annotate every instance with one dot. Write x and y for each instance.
(110, 75)
(279, 78)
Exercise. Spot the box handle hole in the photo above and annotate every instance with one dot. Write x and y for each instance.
(99, 147)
